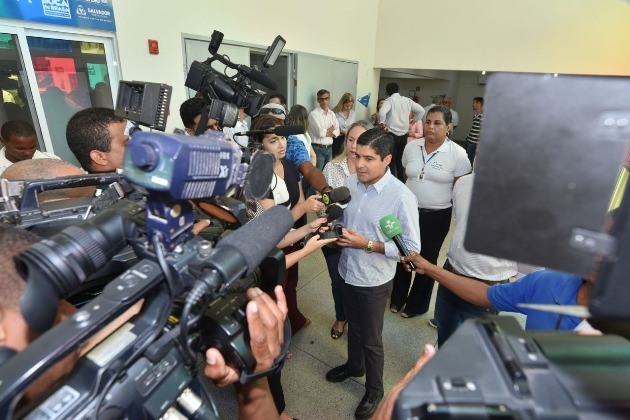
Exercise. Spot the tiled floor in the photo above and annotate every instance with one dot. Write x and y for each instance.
(308, 395)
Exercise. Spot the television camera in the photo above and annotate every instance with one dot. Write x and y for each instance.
(227, 95)
(192, 290)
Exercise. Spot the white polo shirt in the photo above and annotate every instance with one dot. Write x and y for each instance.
(434, 188)
(5, 163)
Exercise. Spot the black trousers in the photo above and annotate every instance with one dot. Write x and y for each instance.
(396, 166)
(364, 308)
(434, 226)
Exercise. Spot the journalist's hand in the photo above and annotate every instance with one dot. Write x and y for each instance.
(385, 409)
(417, 260)
(315, 243)
(313, 204)
(265, 321)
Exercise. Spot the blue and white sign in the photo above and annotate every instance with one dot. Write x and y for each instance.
(92, 14)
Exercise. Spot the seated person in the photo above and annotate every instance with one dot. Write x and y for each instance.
(20, 143)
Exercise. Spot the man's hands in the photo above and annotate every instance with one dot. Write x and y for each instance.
(265, 320)
(330, 131)
(352, 239)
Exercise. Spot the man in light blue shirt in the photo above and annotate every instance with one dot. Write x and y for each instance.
(368, 260)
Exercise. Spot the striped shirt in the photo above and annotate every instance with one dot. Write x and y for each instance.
(368, 206)
(473, 134)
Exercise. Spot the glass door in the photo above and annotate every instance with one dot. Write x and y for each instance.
(71, 73)
(17, 100)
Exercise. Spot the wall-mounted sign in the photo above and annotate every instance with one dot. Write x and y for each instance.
(92, 14)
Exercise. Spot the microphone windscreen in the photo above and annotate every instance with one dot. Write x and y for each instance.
(288, 130)
(257, 238)
(390, 226)
(259, 176)
(334, 213)
(339, 195)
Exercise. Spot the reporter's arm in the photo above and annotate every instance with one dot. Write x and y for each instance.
(386, 407)
(470, 290)
(314, 176)
(311, 246)
(265, 319)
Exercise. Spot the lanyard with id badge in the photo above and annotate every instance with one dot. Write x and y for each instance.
(424, 163)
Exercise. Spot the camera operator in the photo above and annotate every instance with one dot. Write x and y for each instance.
(265, 322)
(97, 138)
(190, 112)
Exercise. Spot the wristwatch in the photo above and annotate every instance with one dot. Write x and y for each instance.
(369, 247)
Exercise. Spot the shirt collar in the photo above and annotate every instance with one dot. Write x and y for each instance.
(380, 184)
(443, 148)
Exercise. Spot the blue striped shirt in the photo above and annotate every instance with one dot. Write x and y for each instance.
(363, 214)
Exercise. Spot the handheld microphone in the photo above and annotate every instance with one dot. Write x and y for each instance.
(392, 230)
(280, 130)
(339, 195)
(258, 77)
(334, 213)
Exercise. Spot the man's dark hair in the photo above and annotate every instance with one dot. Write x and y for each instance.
(88, 130)
(378, 139)
(283, 99)
(190, 109)
(16, 128)
(446, 113)
(478, 99)
(391, 88)
(322, 92)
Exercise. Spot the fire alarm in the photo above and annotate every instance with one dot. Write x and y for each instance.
(153, 47)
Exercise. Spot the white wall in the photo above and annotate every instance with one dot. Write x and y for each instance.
(340, 29)
(548, 36)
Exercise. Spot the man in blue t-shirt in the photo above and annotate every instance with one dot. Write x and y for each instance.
(540, 287)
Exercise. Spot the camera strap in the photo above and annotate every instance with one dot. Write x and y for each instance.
(279, 362)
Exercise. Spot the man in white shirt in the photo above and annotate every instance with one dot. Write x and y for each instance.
(20, 143)
(447, 102)
(394, 115)
(323, 127)
(451, 310)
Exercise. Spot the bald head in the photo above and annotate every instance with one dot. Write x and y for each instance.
(47, 169)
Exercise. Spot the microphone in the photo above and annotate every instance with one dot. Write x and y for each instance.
(253, 242)
(257, 77)
(334, 213)
(339, 195)
(280, 130)
(392, 230)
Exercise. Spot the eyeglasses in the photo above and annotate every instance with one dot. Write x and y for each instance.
(327, 98)
(274, 111)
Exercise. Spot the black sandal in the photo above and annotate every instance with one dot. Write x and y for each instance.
(336, 334)
(394, 308)
(408, 315)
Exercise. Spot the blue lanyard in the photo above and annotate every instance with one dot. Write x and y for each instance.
(424, 163)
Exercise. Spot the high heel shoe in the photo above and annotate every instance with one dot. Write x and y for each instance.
(336, 334)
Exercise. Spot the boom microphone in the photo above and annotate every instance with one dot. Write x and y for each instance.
(339, 195)
(258, 77)
(392, 230)
(281, 130)
(256, 239)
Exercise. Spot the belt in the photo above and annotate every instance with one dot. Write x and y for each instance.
(431, 210)
(325, 146)
(488, 282)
